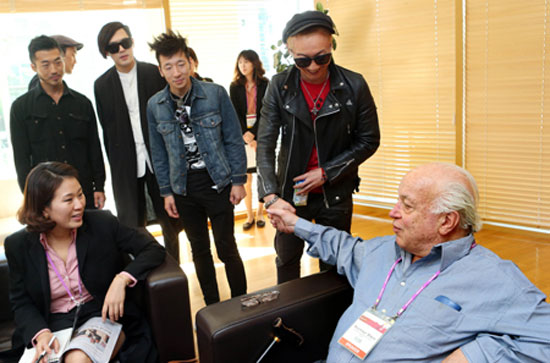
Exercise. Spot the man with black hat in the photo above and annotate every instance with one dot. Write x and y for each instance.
(329, 127)
(52, 122)
(69, 47)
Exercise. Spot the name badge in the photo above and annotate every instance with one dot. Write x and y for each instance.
(365, 333)
(250, 120)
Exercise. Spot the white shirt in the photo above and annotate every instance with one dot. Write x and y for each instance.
(130, 90)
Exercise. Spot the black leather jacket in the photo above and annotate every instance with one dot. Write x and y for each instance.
(346, 133)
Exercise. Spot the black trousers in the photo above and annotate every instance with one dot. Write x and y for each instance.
(168, 225)
(290, 248)
(201, 203)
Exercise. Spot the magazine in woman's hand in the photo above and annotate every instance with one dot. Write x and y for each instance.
(95, 337)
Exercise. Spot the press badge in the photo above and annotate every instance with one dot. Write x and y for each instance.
(366, 332)
(250, 120)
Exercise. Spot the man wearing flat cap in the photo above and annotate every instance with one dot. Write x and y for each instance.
(329, 126)
(69, 47)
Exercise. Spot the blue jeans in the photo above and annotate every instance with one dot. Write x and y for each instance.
(200, 204)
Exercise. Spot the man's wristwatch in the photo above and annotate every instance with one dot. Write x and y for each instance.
(271, 202)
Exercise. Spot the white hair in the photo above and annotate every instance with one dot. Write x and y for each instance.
(456, 196)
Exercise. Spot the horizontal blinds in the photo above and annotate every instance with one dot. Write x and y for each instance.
(213, 31)
(507, 109)
(406, 52)
(12, 6)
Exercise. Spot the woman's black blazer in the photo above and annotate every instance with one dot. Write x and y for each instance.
(101, 246)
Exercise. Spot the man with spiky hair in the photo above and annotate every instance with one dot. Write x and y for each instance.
(52, 122)
(121, 95)
(200, 162)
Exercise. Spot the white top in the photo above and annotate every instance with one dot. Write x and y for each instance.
(130, 89)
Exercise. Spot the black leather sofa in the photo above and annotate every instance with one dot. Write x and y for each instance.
(310, 307)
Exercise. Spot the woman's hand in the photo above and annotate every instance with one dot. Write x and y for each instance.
(42, 345)
(113, 306)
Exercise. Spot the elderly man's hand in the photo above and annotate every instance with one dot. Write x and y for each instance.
(456, 357)
(282, 219)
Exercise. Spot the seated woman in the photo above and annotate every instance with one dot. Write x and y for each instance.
(67, 266)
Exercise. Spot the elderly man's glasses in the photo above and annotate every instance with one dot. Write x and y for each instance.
(115, 46)
(304, 62)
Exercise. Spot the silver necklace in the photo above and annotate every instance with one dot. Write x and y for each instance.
(315, 110)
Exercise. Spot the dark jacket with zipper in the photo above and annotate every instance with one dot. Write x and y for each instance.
(345, 133)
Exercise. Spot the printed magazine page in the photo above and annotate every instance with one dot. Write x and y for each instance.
(95, 337)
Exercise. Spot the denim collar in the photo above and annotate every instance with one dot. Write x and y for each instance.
(197, 91)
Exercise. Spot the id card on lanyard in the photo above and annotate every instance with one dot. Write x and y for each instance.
(78, 302)
(371, 326)
(250, 120)
(366, 332)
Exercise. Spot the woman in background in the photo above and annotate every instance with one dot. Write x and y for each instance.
(67, 266)
(247, 92)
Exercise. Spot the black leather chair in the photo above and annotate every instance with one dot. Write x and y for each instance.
(311, 306)
(165, 297)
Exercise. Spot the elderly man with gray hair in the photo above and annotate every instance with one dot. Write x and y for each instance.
(429, 292)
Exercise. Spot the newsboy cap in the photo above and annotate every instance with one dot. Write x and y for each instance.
(65, 42)
(305, 20)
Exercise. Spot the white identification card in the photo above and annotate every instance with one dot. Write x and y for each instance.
(365, 333)
(250, 120)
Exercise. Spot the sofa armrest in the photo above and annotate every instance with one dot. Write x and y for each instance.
(169, 312)
(227, 332)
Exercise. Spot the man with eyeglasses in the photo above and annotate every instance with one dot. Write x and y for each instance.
(52, 122)
(200, 162)
(328, 124)
(121, 95)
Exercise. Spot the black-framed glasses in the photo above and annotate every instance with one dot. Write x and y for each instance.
(115, 46)
(304, 62)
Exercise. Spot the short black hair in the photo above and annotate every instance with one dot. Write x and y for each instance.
(42, 42)
(169, 43)
(107, 32)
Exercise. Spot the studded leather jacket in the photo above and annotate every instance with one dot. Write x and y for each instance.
(345, 133)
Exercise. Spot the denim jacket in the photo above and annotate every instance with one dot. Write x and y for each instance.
(216, 130)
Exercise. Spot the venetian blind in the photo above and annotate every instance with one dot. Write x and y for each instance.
(507, 108)
(212, 28)
(406, 52)
(13, 6)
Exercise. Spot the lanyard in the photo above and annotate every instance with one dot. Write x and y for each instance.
(404, 307)
(77, 302)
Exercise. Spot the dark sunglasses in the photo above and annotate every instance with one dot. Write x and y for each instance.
(114, 47)
(306, 61)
